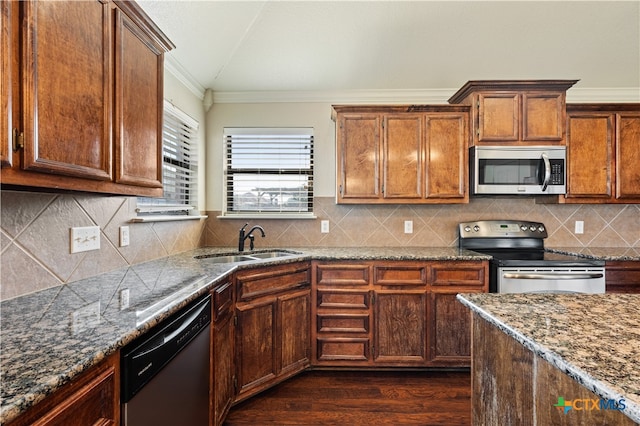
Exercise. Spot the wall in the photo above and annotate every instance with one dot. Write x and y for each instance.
(34, 228)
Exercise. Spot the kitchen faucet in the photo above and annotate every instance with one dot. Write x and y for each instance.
(248, 235)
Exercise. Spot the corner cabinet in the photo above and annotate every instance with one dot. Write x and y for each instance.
(86, 110)
(401, 154)
(393, 314)
(603, 153)
(272, 333)
(516, 112)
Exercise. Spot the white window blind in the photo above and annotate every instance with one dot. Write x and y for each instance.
(268, 171)
(179, 167)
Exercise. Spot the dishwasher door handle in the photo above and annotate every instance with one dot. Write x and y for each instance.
(529, 276)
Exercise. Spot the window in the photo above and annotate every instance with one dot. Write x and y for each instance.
(268, 171)
(179, 168)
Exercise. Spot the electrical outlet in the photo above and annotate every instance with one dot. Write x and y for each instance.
(324, 226)
(124, 299)
(86, 317)
(124, 236)
(408, 227)
(85, 239)
(579, 227)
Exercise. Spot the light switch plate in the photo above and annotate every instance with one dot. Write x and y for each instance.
(85, 238)
(124, 236)
(579, 227)
(324, 226)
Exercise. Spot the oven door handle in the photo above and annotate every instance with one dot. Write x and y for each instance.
(520, 276)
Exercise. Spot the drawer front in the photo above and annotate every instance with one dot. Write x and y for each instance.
(343, 349)
(342, 275)
(271, 281)
(337, 299)
(459, 274)
(343, 323)
(400, 275)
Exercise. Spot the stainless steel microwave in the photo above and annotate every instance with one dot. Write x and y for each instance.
(524, 170)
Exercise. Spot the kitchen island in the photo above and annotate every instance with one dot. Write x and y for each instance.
(555, 358)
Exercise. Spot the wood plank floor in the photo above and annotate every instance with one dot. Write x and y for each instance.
(361, 398)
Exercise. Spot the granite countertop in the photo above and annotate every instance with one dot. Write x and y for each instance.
(595, 339)
(601, 253)
(42, 348)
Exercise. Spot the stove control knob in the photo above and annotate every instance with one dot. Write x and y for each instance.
(467, 228)
(476, 228)
(540, 228)
(532, 228)
(523, 227)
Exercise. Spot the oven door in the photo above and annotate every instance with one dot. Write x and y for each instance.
(550, 280)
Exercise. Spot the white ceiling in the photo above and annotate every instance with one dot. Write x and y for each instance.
(241, 46)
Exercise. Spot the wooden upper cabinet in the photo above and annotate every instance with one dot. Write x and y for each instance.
(516, 112)
(67, 88)
(603, 153)
(89, 96)
(358, 140)
(7, 27)
(401, 154)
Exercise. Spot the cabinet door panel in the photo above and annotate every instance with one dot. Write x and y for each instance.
(222, 366)
(628, 156)
(400, 327)
(67, 88)
(590, 156)
(446, 156)
(450, 335)
(7, 53)
(295, 318)
(499, 115)
(139, 92)
(542, 116)
(359, 154)
(402, 156)
(255, 343)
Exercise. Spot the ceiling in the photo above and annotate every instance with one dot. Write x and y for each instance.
(242, 46)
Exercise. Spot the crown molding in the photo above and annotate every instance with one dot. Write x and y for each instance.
(179, 72)
(406, 96)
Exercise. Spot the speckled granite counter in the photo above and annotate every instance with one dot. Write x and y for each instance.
(41, 349)
(595, 339)
(601, 253)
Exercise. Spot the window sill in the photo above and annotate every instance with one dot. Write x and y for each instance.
(268, 216)
(164, 218)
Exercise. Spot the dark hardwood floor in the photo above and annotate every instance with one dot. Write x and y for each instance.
(361, 398)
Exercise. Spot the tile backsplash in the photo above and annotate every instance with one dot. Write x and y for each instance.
(34, 231)
(34, 238)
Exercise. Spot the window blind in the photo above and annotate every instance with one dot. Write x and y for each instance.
(179, 167)
(268, 170)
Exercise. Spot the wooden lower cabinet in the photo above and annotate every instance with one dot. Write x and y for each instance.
(623, 277)
(222, 390)
(393, 314)
(92, 399)
(272, 332)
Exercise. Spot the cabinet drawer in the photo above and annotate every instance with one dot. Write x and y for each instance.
(623, 277)
(343, 323)
(273, 280)
(340, 274)
(343, 349)
(336, 299)
(400, 275)
(222, 300)
(459, 274)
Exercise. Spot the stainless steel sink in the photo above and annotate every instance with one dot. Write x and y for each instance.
(232, 258)
(271, 254)
(226, 259)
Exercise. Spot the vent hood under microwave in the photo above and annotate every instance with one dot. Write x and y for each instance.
(517, 170)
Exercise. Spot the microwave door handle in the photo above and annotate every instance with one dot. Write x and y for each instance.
(547, 171)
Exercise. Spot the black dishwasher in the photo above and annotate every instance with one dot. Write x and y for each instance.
(165, 373)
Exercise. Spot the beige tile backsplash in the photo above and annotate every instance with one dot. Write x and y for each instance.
(34, 231)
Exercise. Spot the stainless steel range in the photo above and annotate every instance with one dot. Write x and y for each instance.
(520, 263)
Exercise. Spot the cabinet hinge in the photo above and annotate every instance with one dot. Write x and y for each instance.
(235, 320)
(18, 140)
(235, 384)
(478, 104)
(341, 190)
(373, 298)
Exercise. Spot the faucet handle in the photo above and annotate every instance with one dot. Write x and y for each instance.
(245, 225)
